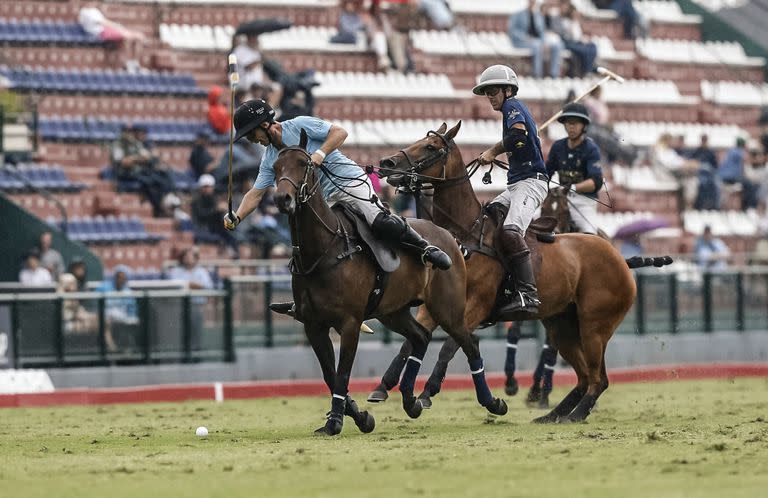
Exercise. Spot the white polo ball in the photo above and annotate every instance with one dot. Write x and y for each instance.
(201, 432)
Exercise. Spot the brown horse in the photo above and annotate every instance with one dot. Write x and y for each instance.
(585, 286)
(332, 285)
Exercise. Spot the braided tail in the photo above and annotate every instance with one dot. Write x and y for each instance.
(640, 262)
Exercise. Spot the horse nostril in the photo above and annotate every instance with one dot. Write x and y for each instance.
(387, 163)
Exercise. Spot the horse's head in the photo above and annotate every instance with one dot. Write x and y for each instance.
(427, 157)
(292, 169)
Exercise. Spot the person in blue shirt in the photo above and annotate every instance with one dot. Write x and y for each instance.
(254, 120)
(576, 159)
(527, 184)
(119, 309)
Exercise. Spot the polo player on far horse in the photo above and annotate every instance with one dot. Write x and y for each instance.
(527, 183)
(254, 121)
(576, 160)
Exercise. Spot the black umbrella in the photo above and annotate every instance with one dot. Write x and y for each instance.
(260, 26)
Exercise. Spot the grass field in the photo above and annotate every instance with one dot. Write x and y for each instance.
(706, 438)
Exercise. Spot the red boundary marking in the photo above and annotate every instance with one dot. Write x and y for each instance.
(266, 389)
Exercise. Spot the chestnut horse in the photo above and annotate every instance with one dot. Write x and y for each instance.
(331, 288)
(584, 284)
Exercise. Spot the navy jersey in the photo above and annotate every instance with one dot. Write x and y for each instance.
(585, 159)
(513, 111)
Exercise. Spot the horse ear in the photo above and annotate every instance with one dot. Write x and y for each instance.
(303, 139)
(442, 128)
(453, 131)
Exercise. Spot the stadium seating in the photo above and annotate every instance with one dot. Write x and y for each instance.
(48, 177)
(45, 32)
(722, 222)
(86, 129)
(735, 93)
(109, 229)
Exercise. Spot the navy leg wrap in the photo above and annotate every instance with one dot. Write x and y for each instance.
(510, 364)
(484, 396)
(412, 367)
(549, 357)
(338, 405)
(538, 374)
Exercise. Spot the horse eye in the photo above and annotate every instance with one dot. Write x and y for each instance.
(431, 147)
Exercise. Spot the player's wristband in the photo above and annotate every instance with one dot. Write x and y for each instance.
(321, 153)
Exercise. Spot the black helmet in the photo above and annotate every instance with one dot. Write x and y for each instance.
(575, 110)
(250, 115)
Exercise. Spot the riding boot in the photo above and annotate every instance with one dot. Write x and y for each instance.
(516, 258)
(395, 229)
(287, 308)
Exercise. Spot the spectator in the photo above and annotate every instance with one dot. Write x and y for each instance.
(633, 23)
(218, 111)
(611, 145)
(763, 123)
(76, 320)
(668, 163)
(119, 310)
(96, 24)
(704, 154)
(404, 13)
(711, 252)
(598, 109)
(756, 174)
(33, 273)
(246, 159)
(134, 161)
(78, 270)
(568, 26)
(732, 171)
(355, 22)
(526, 30)
(631, 247)
(207, 213)
(254, 77)
(50, 258)
(190, 271)
(200, 160)
(438, 12)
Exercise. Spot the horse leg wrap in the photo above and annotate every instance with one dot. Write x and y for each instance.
(510, 364)
(549, 357)
(412, 367)
(338, 406)
(484, 396)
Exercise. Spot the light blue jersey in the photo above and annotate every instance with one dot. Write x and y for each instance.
(317, 131)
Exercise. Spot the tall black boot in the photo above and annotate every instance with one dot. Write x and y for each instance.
(516, 258)
(395, 229)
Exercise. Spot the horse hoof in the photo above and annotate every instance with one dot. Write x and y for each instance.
(332, 427)
(546, 419)
(426, 401)
(365, 422)
(511, 387)
(534, 395)
(378, 395)
(567, 419)
(543, 402)
(414, 408)
(498, 407)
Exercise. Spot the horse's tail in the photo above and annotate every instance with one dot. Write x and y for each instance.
(639, 261)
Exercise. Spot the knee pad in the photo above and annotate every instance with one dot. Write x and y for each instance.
(388, 226)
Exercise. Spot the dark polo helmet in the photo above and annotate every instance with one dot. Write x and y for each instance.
(575, 110)
(250, 115)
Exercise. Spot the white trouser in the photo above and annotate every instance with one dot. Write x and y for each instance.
(583, 212)
(523, 199)
(362, 190)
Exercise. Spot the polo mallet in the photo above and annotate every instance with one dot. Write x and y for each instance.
(607, 75)
(234, 79)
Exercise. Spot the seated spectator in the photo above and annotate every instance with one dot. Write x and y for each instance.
(119, 310)
(583, 51)
(708, 192)
(634, 24)
(704, 154)
(254, 77)
(711, 252)
(218, 110)
(614, 147)
(667, 162)
(79, 270)
(190, 271)
(756, 176)
(732, 171)
(133, 160)
(526, 29)
(438, 12)
(96, 24)
(631, 247)
(404, 14)
(33, 273)
(50, 258)
(246, 159)
(354, 21)
(77, 320)
(208, 211)
(200, 160)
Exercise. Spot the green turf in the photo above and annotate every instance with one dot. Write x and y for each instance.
(666, 439)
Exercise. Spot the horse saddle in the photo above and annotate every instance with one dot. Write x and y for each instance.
(543, 228)
(385, 254)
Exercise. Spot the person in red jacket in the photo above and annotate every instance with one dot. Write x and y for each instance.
(218, 114)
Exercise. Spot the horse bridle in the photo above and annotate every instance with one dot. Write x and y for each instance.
(303, 193)
(416, 167)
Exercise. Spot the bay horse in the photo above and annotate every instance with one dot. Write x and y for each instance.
(584, 284)
(331, 287)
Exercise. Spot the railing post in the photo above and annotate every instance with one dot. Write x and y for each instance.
(15, 333)
(707, 300)
(59, 336)
(144, 323)
(186, 332)
(673, 318)
(740, 325)
(229, 333)
(640, 303)
(102, 329)
(269, 337)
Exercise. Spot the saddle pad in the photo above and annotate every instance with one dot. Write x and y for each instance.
(385, 255)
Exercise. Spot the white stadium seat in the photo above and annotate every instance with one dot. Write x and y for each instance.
(735, 93)
(381, 85)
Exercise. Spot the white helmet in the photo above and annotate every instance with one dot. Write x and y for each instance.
(495, 75)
